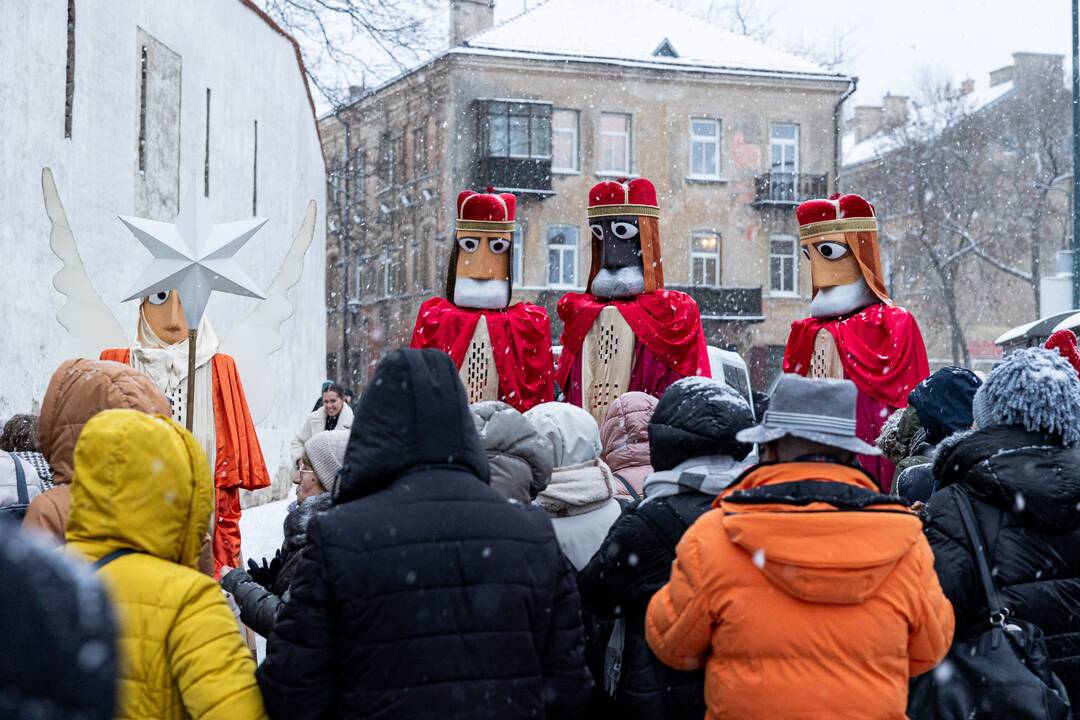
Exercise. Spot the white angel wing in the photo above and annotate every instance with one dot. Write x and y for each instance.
(90, 324)
(258, 337)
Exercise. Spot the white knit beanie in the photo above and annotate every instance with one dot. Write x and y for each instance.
(326, 452)
(1034, 388)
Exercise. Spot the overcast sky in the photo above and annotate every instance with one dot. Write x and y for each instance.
(894, 42)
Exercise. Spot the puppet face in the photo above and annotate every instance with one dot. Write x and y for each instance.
(165, 316)
(483, 270)
(831, 261)
(620, 274)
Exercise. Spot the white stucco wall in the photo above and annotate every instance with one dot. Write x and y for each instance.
(253, 74)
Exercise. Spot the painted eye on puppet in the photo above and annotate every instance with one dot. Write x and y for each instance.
(624, 230)
(159, 298)
(498, 245)
(597, 231)
(469, 244)
(832, 251)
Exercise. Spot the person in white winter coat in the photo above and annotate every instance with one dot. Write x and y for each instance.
(580, 497)
(333, 414)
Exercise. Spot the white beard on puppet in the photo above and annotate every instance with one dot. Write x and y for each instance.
(481, 294)
(622, 283)
(842, 299)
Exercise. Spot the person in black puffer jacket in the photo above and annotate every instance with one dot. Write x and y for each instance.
(942, 403)
(1021, 469)
(423, 593)
(60, 657)
(695, 456)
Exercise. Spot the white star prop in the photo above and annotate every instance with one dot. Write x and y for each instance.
(197, 269)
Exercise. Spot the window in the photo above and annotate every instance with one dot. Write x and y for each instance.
(517, 129)
(387, 160)
(615, 143)
(665, 49)
(783, 268)
(562, 243)
(419, 148)
(564, 141)
(518, 271)
(784, 148)
(705, 258)
(704, 148)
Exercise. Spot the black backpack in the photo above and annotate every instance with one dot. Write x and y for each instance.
(17, 509)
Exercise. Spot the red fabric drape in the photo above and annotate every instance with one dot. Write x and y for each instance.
(880, 347)
(520, 341)
(667, 322)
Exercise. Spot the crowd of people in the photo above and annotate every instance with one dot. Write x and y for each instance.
(688, 557)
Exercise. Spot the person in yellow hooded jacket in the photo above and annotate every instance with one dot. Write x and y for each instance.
(140, 505)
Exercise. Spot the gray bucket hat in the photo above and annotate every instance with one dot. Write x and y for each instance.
(821, 411)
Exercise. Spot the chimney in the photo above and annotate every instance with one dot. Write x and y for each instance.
(1033, 72)
(896, 110)
(355, 92)
(868, 120)
(1001, 75)
(967, 86)
(469, 18)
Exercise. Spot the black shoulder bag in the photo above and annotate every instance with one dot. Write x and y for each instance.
(17, 509)
(1001, 671)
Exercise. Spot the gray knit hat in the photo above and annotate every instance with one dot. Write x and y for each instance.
(326, 452)
(1036, 389)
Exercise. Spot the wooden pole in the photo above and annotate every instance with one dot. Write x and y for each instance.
(193, 334)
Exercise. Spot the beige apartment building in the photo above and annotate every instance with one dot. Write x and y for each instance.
(732, 133)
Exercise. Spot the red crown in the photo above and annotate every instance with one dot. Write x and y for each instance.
(622, 197)
(486, 211)
(838, 214)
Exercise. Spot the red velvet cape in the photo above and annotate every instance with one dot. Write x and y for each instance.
(667, 322)
(520, 340)
(880, 347)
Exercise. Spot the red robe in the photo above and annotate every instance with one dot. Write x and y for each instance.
(882, 352)
(670, 340)
(520, 343)
(238, 461)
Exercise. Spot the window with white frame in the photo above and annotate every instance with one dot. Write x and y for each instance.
(518, 254)
(615, 143)
(517, 129)
(705, 148)
(564, 141)
(562, 246)
(705, 258)
(783, 265)
(784, 148)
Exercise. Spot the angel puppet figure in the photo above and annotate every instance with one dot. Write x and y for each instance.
(854, 330)
(224, 421)
(626, 332)
(502, 351)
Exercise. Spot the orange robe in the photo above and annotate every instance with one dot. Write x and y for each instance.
(239, 462)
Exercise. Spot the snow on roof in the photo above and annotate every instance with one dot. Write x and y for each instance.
(928, 120)
(633, 30)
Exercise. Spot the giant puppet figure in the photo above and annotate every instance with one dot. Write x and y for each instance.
(854, 330)
(502, 351)
(224, 416)
(626, 332)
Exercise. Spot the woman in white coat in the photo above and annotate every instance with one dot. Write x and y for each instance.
(580, 497)
(334, 414)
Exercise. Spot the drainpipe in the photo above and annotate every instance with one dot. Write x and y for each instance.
(837, 115)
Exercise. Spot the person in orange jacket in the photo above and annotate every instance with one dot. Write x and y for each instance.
(805, 592)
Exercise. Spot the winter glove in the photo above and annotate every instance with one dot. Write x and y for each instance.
(234, 579)
(266, 573)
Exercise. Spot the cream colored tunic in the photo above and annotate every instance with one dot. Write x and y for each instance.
(825, 360)
(478, 372)
(608, 361)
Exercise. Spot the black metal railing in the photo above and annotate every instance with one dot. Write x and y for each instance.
(783, 188)
(725, 303)
(521, 175)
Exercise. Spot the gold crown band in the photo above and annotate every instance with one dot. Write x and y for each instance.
(844, 225)
(614, 210)
(488, 225)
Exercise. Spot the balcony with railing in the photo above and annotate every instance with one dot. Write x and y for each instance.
(785, 188)
(725, 304)
(514, 149)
